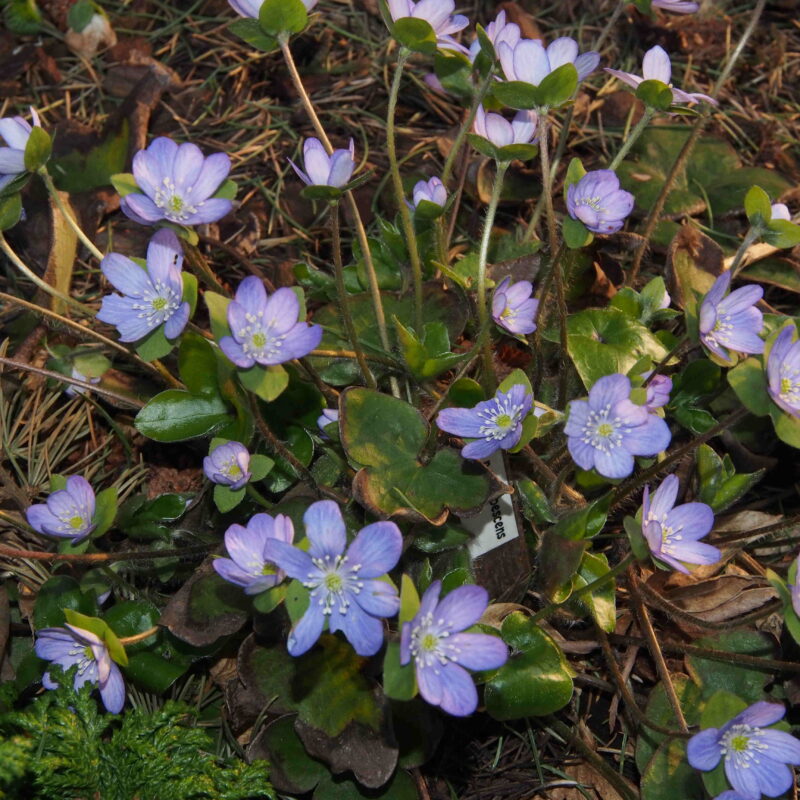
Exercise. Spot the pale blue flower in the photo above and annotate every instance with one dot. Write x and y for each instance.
(513, 306)
(15, 131)
(783, 371)
(67, 513)
(228, 465)
(500, 132)
(529, 61)
(322, 169)
(438, 14)
(598, 202)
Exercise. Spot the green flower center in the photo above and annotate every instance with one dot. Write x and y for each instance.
(605, 429)
(159, 303)
(269, 569)
(176, 204)
(259, 340)
(87, 651)
(334, 582)
(76, 522)
(786, 385)
(234, 470)
(739, 743)
(503, 421)
(429, 642)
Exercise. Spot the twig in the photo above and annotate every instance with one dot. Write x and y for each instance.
(97, 558)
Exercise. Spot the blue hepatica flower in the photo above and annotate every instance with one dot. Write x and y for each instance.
(498, 30)
(608, 430)
(67, 513)
(732, 322)
(598, 202)
(323, 169)
(150, 297)
(71, 645)
(677, 6)
(266, 331)
(783, 371)
(248, 566)
(755, 757)
(15, 131)
(494, 424)
(250, 8)
(345, 590)
(672, 532)
(327, 416)
(529, 61)
(432, 191)
(438, 14)
(657, 66)
(658, 391)
(228, 465)
(177, 184)
(496, 129)
(513, 306)
(442, 654)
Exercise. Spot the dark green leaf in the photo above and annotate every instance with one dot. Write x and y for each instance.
(416, 34)
(558, 86)
(282, 16)
(517, 94)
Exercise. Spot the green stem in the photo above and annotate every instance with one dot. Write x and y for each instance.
(399, 194)
(599, 583)
(547, 181)
(489, 380)
(43, 285)
(67, 214)
(258, 497)
(649, 113)
(344, 299)
(751, 236)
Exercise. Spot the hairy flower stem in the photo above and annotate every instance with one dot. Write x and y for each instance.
(399, 194)
(156, 366)
(655, 650)
(676, 350)
(140, 637)
(99, 558)
(750, 237)
(361, 232)
(688, 146)
(43, 285)
(599, 583)
(638, 130)
(547, 180)
(67, 214)
(484, 338)
(344, 299)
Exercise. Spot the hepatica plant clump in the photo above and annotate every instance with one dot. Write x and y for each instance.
(448, 463)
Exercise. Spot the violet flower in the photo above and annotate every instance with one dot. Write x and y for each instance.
(228, 465)
(598, 202)
(530, 62)
(248, 565)
(513, 306)
(672, 532)
(151, 296)
(494, 424)
(67, 513)
(442, 654)
(732, 322)
(497, 31)
(438, 14)
(783, 371)
(251, 8)
(658, 391)
(74, 391)
(266, 330)
(755, 756)
(72, 645)
(345, 590)
(656, 66)
(177, 184)
(677, 6)
(327, 416)
(608, 430)
(323, 169)
(500, 132)
(431, 191)
(779, 211)
(15, 131)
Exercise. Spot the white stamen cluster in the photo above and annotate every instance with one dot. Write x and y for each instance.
(790, 386)
(602, 431)
(257, 340)
(158, 304)
(333, 581)
(742, 744)
(501, 419)
(174, 205)
(429, 645)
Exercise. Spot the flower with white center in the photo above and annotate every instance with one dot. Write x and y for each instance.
(497, 31)
(266, 330)
(494, 424)
(323, 169)
(500, 132)
(673, 532)
(598, 202)
(783, 370)
(656, 66)
(15, 131)
(343, 581)
(513, 306)
(71, 645)
(442, 654)
(248, 565)
(438, 14)
(755, 757)
(529, 61)
(608, 430)
(228, 465)
(177, 184)
(732, 322)
(151, 296)
(67, 513)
